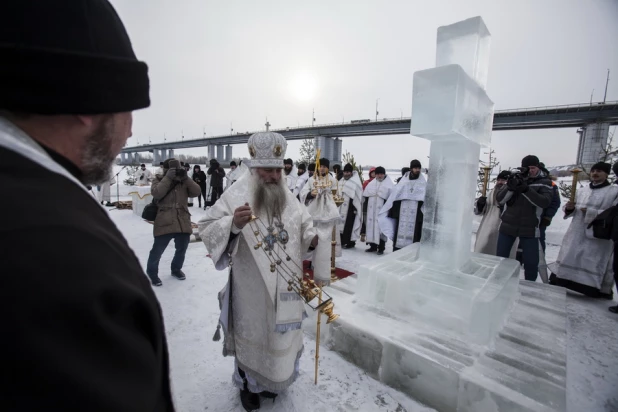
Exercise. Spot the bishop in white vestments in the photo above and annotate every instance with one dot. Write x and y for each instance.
(260, 317)
(351, 189)
(374, 196)
(584, 262)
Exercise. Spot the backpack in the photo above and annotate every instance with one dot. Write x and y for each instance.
(150, 211)
(603, 225)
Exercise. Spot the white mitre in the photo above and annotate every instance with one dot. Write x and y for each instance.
(267, 149)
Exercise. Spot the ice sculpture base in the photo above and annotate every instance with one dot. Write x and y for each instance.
(523, 368)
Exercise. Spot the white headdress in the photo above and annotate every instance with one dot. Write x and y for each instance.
(267, 149)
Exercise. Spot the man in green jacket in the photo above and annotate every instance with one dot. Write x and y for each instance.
(172, 190)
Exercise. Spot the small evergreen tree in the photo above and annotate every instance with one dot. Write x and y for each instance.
(131, 179)
(307, 152)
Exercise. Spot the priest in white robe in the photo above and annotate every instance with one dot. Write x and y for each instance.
(584, 262)
(308, 193)
(303, 178)
(143, 176)
(401, 217)
(489, 207)
(233, 175)
(375, 195)
(290, 173)
(351, 189)
(260, 317)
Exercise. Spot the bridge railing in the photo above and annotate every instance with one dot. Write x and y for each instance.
(558, 107)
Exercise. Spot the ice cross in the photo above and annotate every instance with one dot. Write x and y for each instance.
(451, 109)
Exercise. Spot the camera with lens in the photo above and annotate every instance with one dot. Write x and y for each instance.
(518, 177)
(180, 171)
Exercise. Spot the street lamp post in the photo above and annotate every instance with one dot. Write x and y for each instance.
(377, 100)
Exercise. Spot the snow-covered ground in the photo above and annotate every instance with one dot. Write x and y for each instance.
(201, 376)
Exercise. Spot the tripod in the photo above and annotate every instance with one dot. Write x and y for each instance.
(118, 185)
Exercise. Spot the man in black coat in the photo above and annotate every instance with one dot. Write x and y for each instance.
(216, 173)
(523, 198)
(82, 329)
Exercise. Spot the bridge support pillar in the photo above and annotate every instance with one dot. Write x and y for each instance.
(330, 148)
(170, 153)
(228, 154)
(592, 143)
(220, 154)
(156, 158)
(134, 158)
(123, 158)
(211, 152)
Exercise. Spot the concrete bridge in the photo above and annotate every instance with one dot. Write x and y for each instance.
(593, 119)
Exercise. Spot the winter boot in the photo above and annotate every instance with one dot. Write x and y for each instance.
(250, 401)
(179, 275)
(190, 204)
(613, 309)
(155, 280)
(381, 247)
(372, 248)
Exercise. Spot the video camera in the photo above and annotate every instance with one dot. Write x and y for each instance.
(518, 177)
(180, 171)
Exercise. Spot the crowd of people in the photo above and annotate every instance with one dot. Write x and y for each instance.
(84, 329)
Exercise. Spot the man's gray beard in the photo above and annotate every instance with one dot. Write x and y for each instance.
(268, 198)
(97, 158)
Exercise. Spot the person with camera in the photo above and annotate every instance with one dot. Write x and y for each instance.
(199, 177)
(173, 220)
(216, 173)
(82, 328)
(527, 192)
(584, 263)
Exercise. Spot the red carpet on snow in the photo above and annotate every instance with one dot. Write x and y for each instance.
(340, 273)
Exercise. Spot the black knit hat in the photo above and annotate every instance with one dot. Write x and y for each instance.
(288, 162)
(324, 162)
(232, 163)
(415, 163)
(380, 170)
(530, 160)
(142, 165)
(301, 166)
(312, 167)
(602, 166)
(336, 167)
(68, 57)
(348, 168)
(504, 175)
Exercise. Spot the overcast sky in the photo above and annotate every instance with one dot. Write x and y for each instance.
(219, 64)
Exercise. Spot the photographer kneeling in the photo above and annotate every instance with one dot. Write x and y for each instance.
(173, 221)
(523, 198)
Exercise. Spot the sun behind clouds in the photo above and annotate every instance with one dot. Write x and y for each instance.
(303, 86)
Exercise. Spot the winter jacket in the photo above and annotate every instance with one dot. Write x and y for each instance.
(366, 182)
(551, 211)
(83, 328)
(173, 215)
(521, 214)
(216, 173)
(200, 179)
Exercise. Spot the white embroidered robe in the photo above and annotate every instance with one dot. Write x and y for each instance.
(583, 258)
(352, 192)
(260, 317)
(375, 194)
(409, 192)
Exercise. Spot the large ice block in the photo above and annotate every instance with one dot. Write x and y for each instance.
(465, 43)
(447, 103)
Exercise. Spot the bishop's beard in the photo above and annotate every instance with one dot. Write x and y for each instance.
(270, 198)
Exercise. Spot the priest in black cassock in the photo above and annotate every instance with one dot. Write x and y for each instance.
(401, 217)
(351, 189)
